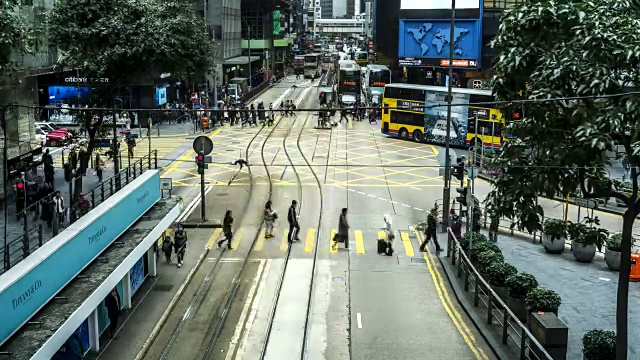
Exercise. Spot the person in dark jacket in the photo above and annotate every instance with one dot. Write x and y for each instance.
(431, 231)
(180, 245)
(294, 226)
(343, 228)
(112, 303)
(226, 229)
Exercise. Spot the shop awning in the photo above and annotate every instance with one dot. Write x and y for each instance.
(240, 60)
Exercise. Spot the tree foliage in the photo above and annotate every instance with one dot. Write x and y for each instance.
(586, 53)
(15, 35)
(130, 40)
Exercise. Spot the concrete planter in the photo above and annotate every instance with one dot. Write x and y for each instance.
(612, 258)
(518, 308)
(553, 246)
(502, 293)
(582, 252)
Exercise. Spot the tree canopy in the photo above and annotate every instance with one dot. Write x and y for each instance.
(129, 40)
(15, 36)
(578, 65)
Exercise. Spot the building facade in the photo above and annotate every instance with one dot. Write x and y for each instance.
(327, 9)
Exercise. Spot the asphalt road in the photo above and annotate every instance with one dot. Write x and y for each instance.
(339, 303)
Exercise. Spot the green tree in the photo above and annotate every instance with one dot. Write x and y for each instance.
(16, 36)
(587, 53)
(129, 42)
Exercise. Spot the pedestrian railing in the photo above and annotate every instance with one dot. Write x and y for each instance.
(514, 334)
(35, 231)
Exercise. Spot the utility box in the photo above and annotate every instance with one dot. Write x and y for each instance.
(551, 333)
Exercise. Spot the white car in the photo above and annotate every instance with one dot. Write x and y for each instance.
(41, 137)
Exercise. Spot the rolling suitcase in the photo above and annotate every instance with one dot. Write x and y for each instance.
(382, 246)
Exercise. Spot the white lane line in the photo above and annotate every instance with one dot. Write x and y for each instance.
(373, 196)
(415, 188)
(193, 205)
(405, 205)
(418, 209)
(379, 198)
(359, 317)
(360, 192)
(233, 344)
(604, 279)
(254, 311)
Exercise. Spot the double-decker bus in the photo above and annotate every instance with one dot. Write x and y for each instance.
(361, 58)
(312, 66)
(374, 81)
(348, 82)
(419, 112)
(298, 65)
(328, 62)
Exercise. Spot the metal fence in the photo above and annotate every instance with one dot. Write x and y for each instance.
(515, 335)
(35, 231)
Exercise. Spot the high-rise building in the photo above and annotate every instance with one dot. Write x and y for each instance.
(327, 9)
(351, 9)
(339, 8)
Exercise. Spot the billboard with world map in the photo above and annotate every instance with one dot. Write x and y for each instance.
(426, 42)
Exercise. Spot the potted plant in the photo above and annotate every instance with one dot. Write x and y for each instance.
(541, 299)
(555, 236)
(612, 252)
(488, 258)
(587, 240)
(466, 239)
(599, 345)
(480, 247)
(519, 286)
(497, 274)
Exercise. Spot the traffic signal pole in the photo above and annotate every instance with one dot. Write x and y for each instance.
(446, 192)
(203, 207)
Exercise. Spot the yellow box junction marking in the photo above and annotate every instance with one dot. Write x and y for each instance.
(308, 244)
(237, 237)
(214, 237)
(186, 156)
(333, 247)
(359, 242)
(408, 247)
(260, 242)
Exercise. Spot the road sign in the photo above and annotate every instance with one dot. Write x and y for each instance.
(318, 12)
(203, 143)
(587, 203)
(452, 155)
(166, 184)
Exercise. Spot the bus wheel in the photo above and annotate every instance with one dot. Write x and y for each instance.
(417, 136)
(403, 134)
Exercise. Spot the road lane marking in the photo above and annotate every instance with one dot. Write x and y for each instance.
(245, 311)
(382, 235)
(254, 311)
(359, 317)
(193, 205)
(237, 237)
(448, 305)
(308, 244)
(359, 242)
(214, 236)
(284, 245)
(406, 241)
(333, 246)
(260, 242)
(186, 156)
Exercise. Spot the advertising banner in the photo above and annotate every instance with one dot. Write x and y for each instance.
(438, 4)
(426, 43)
(137, 276)
(33, 282)
(435, 118)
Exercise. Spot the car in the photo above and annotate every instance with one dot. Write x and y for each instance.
(41, 137)
(51, 127)
(55, 139)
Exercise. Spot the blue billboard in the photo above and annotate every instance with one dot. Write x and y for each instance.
(33, 282)
(425, 42)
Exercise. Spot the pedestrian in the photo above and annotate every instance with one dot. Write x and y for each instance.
(226, 229)
(167, 247)
(112, 303)
(431, 230)
(270, 218)
(456, 227)
(389, 234)
(343, 228)
(493, 226)
(294, 226)
(180, 245)
(58, 203)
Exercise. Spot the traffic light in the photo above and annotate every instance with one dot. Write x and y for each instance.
(323, 99)
(462, 199)
(200, 163)
(21, 195)
(458, 171)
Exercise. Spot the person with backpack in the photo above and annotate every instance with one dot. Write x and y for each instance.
(180, 244)
(431, 230)
(167, 248)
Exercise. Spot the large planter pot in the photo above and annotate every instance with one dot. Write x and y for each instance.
(553, 246)
(518, 308)
(582, 252)
(612, 258)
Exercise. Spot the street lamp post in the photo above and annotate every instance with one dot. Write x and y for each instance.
(446, 192)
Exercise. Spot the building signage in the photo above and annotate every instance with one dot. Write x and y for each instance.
(425, 42)
(73, 79)
(438, 4)
(32, 283)
(23, 162)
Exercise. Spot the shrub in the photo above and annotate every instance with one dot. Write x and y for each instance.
(497, 273)
(480, 247)
(541, 299)
(520, 284)
(614, 243)
(555, 229)
(477, 238)
(599, 345)
(488, 258)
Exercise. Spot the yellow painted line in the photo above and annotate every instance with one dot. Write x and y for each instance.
(308, 244)
(435, 151)
(260, 243)
(237, 237)
(214, 236)
(408, 247)
(359, 242)
(284, 245)
(189, 153)
(333, 247)
(382, 235)
(455, 316)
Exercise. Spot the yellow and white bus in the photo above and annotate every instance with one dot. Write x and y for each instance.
(419, 113)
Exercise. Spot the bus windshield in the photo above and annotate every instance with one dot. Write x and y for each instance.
(379, 78)
(361, 56)
(310, 61)
(327, 59)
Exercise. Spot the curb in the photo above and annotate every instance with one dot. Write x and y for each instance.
(165, 316)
